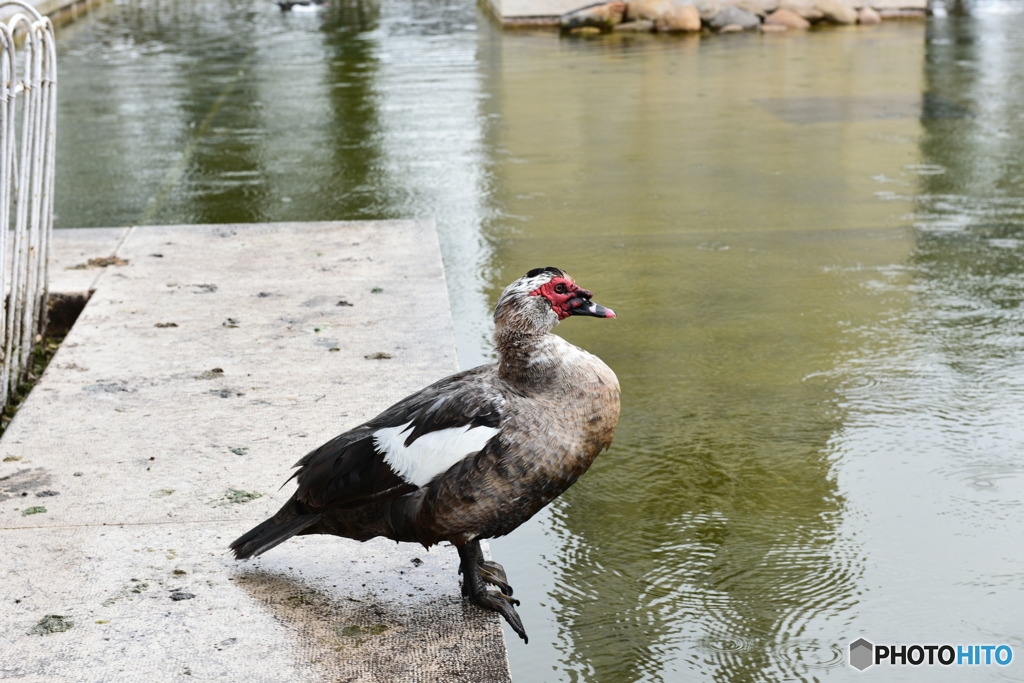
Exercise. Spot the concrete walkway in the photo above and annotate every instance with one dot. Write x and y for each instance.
(199, 372)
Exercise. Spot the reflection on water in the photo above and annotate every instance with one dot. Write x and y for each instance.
(738, 244)
(813, 243)
(934, 395)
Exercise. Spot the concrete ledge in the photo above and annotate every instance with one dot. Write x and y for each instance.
(202, 367)
(533, 12)
(58, 10)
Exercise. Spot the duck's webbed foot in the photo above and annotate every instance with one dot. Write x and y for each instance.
(494, 574)
(476, 573)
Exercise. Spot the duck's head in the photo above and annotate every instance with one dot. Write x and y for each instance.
(536, 302)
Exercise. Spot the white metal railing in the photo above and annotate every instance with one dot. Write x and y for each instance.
(28, 99)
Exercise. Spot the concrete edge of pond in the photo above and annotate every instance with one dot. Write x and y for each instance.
(206, 362)
(59, 11)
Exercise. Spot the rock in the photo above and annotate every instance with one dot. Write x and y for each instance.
(667, 15)
(731, 28)
(759, 7)
(734, 15)
(867, 15)
(679, 19)
(902, 14)
(898, 4)
(638, 10)
(603, 15)
(803, 8)
(786, 18)
(837, 11)
(773, 28)
(638, 26)
(707, 8)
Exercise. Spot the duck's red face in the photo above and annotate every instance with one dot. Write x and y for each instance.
(567, 299)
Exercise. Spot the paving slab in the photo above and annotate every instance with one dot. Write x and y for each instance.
(532, 11)
(70, 270)
(204, 365)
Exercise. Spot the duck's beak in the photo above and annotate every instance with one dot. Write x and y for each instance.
(588, 307)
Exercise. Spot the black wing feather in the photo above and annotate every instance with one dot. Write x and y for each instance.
(347, 471)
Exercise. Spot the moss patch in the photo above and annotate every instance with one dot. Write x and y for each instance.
(240, 496)
(356, 631)
(51, 623)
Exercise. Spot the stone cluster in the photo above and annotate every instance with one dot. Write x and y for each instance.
(724, 16)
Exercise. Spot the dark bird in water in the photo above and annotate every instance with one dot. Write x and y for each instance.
(300, 5)
(471, 456)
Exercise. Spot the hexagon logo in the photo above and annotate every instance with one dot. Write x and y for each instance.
(861, 654)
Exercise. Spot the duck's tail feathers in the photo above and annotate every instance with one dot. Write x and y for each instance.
(276, 530)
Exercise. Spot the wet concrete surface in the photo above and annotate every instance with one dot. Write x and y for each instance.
(206, 362)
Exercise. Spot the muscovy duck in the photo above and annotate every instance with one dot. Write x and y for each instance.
(471, 456)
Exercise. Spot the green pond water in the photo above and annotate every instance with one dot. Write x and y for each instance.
(814, 243)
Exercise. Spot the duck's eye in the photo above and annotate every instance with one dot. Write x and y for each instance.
(560, 288)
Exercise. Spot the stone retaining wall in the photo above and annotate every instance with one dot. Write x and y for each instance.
(719, 16)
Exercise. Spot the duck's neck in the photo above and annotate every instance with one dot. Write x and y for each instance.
(529, 359)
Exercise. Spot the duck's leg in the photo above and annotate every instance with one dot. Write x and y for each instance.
(475, 588)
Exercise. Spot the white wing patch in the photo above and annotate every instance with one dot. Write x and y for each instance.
(431, 454)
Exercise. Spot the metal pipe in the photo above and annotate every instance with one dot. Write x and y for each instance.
(27, 157)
